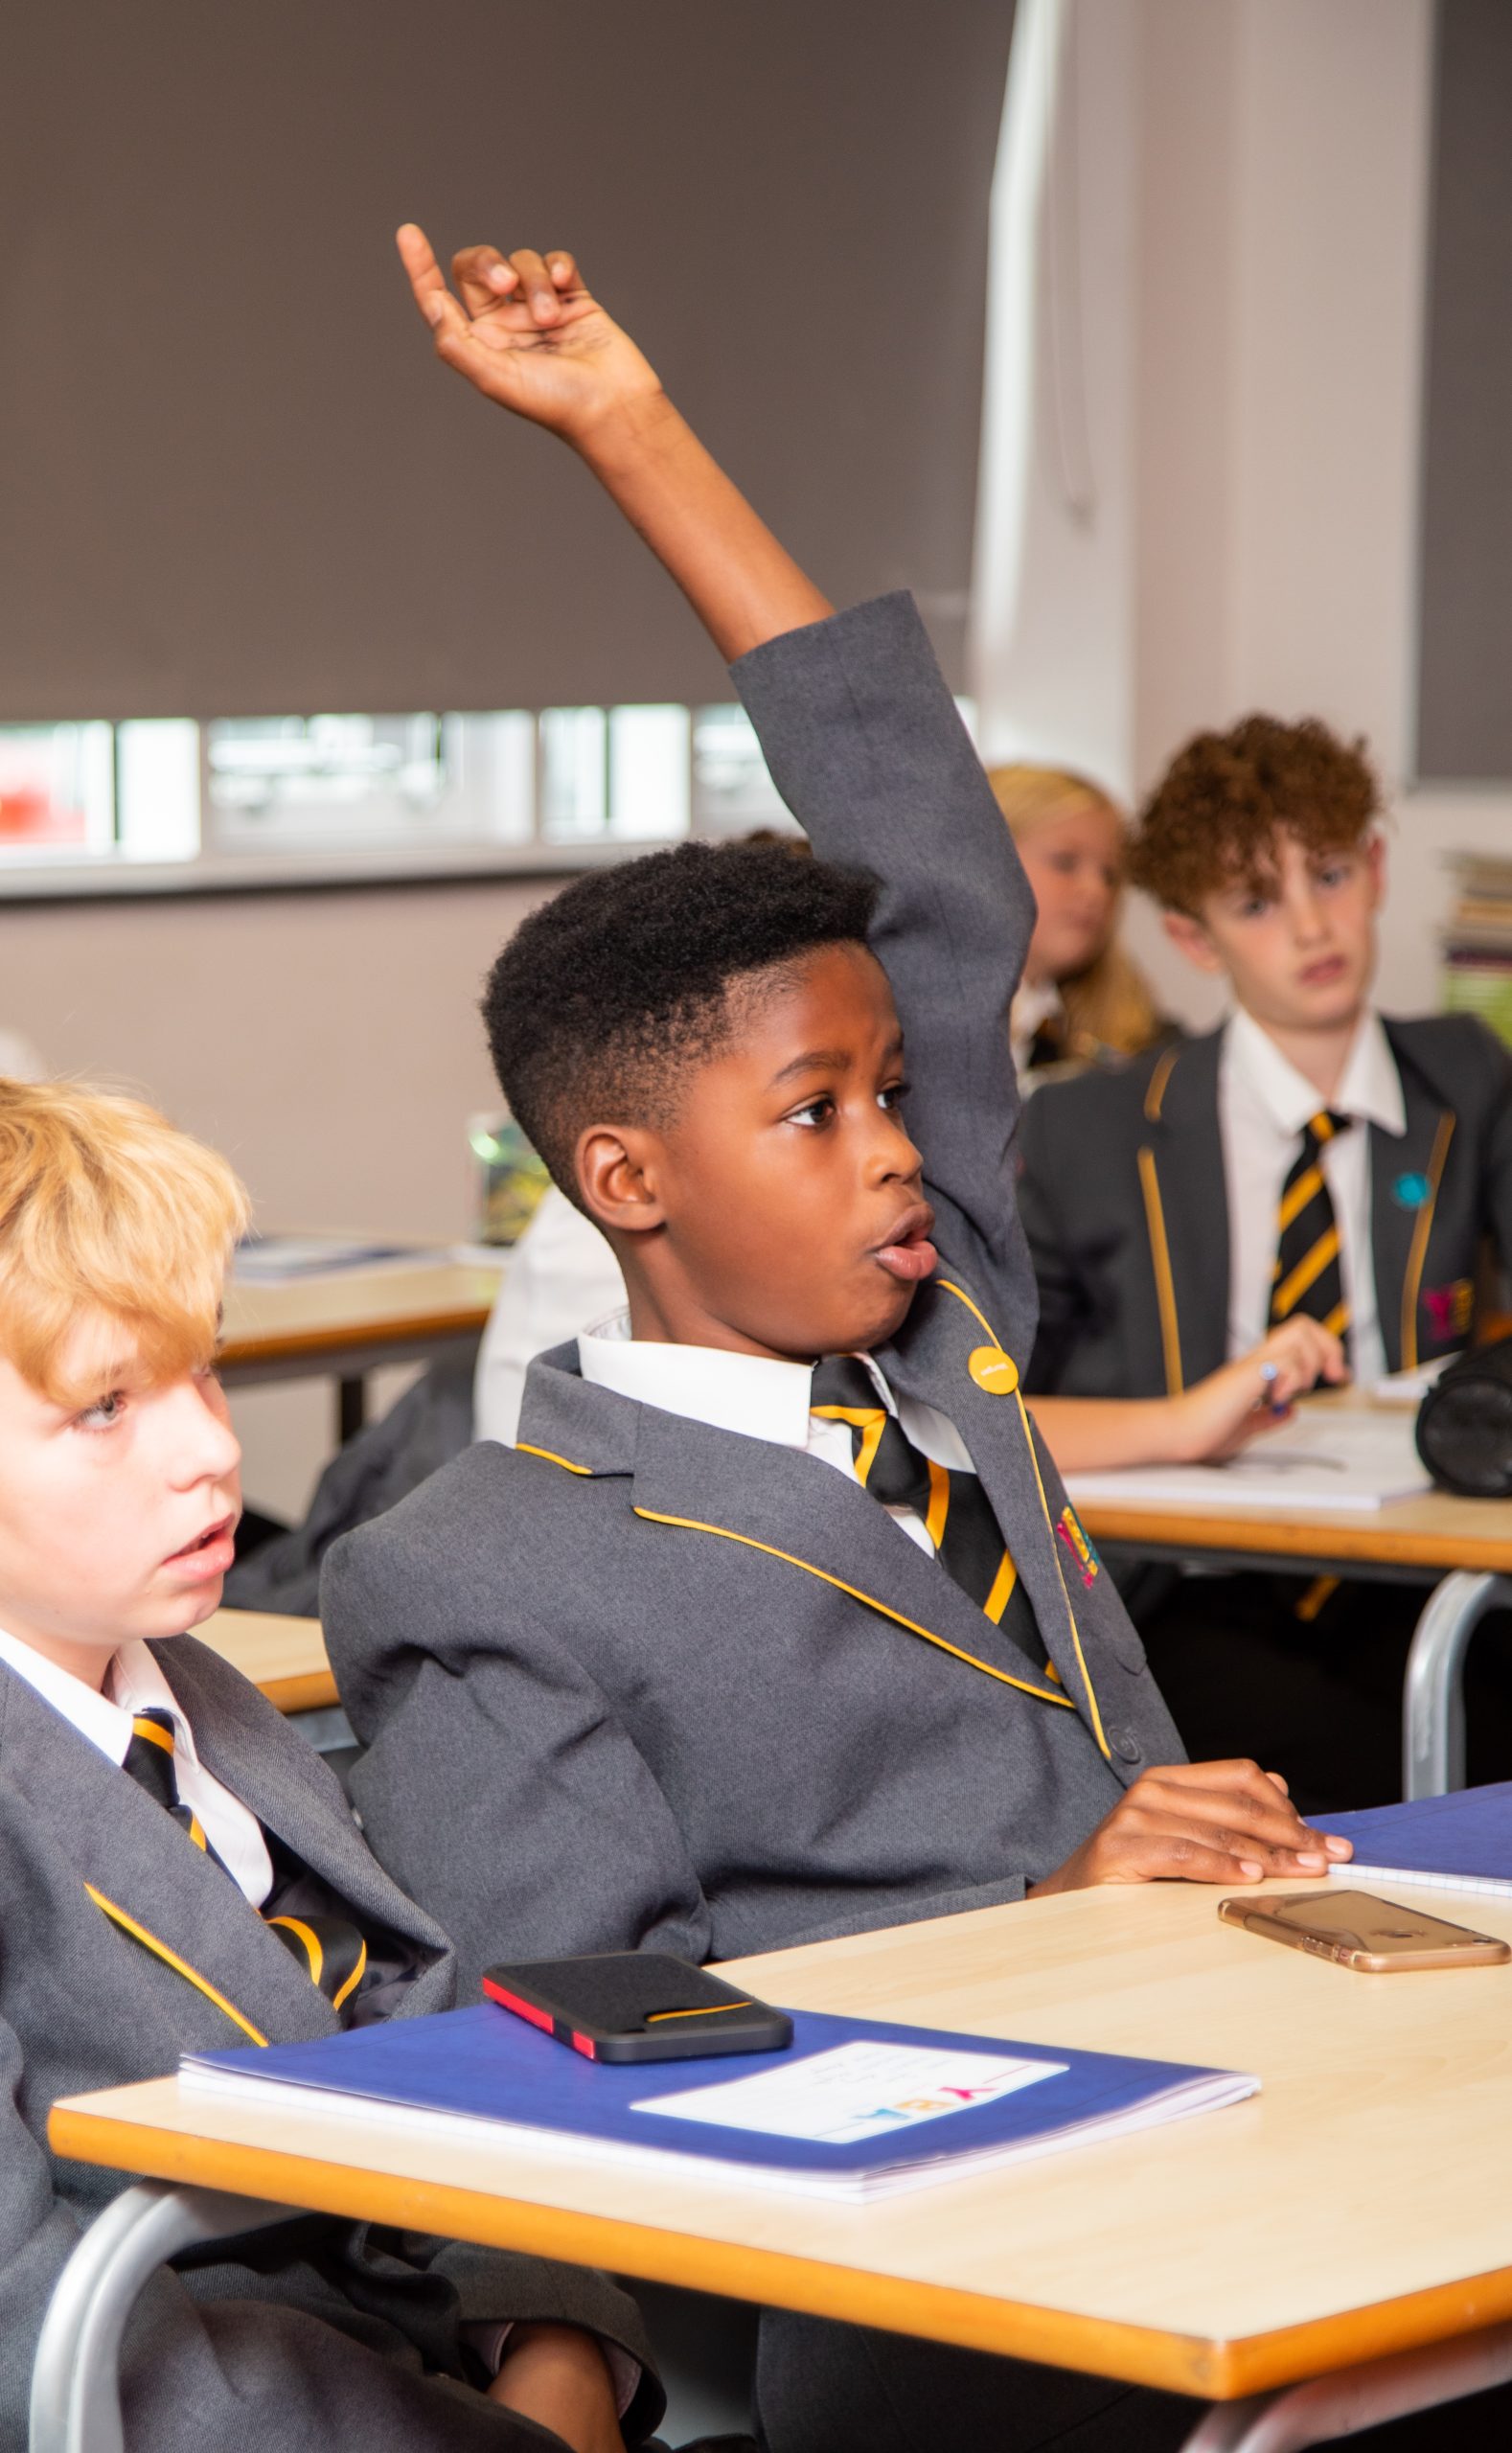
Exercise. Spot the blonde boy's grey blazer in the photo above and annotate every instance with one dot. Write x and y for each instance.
(331, 2338)
(643, 1680)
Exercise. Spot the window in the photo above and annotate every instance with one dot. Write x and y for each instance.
(273, 799)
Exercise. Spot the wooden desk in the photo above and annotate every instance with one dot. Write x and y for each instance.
(1361, 2206)
(1460, 1549)
(1421, 1537)
(348, 1323)
(284, 1656)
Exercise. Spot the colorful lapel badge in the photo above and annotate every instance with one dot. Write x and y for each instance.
(1411, 1189)
(1088, 1563)
(1450, 1307)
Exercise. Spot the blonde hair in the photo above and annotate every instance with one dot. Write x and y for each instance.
(107, 1209)
(1109, 1005)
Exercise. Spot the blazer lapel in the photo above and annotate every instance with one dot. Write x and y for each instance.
(144, 1873)
(800, 1511)
(1404, 1175)
(946, 1331)
(1186, 1209)
(273, 1771)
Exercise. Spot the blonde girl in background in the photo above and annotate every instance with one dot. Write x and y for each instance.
(1084, 999)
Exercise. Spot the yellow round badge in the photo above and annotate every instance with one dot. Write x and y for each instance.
(994, 1370)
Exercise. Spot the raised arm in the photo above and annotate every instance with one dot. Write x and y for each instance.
(860, 731)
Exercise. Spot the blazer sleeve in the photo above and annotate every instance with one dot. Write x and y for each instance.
(869, 751)
(197, 2375)
(556, 1836)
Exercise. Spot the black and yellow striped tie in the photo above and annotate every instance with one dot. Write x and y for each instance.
(1309, 1276)
(329, 1949)
(955, 1510)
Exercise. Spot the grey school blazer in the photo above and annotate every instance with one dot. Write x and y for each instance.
(320, 2342)
(641, 1681)
(1123, 1197)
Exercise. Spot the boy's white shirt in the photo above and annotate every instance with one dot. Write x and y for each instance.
(760, 1397)
(1263, 1104)
(136, 1683)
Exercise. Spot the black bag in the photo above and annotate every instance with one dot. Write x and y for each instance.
(1464, 1424)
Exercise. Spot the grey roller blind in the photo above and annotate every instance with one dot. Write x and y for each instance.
(233, 480)
(1465, 612)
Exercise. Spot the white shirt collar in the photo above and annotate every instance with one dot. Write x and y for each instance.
(133, 1681)
(1369, 1087)
(744, 1392)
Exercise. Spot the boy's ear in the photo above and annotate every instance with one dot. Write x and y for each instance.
(617, 1173)
(1193, 940)
(1376, 857)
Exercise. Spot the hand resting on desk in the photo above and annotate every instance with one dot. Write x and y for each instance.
(1198, 1823)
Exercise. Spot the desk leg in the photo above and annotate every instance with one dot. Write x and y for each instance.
(1434, 1698)
(351, 1407)
(1329, 2407)
(76, 2387)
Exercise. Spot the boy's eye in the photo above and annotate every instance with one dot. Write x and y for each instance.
(813, 1112)
(893, 1095)
(104, 1414)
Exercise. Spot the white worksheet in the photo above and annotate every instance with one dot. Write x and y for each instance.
(856, 2091)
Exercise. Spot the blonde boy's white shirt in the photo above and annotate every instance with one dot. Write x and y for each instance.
(134, 1683)
(760, 1397)
(1263, 1104)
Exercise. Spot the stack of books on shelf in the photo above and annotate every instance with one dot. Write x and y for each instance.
(1478, 943)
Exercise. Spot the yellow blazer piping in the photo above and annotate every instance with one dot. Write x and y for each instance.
(1155, 1095)
(552, 1458)
(1421, 1232)
(170, 1958)
(951, 1288)
(696, 1524)
(1164, 1282)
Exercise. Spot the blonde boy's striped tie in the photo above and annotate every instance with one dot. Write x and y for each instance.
(329, 1949)
(1309, 1276)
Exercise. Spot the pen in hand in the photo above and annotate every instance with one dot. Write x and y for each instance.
(1270, 1373)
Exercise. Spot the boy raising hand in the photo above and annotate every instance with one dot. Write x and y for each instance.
(777, 1622)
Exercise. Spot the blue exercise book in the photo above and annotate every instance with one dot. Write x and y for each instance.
(1462, 1842)
(852, 2108)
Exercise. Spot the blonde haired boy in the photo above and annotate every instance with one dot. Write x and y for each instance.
(158, 1819)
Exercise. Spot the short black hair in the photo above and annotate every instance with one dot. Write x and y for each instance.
(606, 996)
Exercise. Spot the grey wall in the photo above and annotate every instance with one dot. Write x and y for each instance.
(233, 480)
(1465, 649)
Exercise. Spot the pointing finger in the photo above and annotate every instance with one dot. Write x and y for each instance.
(419, 260)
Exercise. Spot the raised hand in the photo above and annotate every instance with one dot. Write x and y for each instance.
(525, 332)
(1198, 1822)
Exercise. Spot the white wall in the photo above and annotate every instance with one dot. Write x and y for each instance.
(1269, 385)
(330, 1043)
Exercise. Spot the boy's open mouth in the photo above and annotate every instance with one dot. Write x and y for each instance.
(908, 1253)
(206, 1548)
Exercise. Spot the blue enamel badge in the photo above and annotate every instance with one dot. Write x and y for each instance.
(1411, 1190)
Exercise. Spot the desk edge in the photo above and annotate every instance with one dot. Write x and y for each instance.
(1211, 2370)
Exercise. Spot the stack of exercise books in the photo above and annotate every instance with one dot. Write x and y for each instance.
(1478, 943)
(851, 2110)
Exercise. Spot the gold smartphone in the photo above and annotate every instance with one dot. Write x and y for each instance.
(1357, 1929)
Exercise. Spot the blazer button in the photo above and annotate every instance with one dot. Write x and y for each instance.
(994, 1370)
(1125, 1745)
